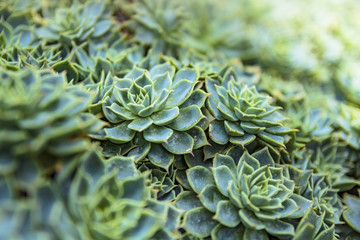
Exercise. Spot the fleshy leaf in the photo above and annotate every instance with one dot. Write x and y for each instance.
(160, 157)
(227, 214)
(218, 133)
(186, 73)
(223, 176)
(180, 93)
(210, 197)
(272, 139)
(250, 220)
(161, 69)
(200, 177)
(188, 118)
(179, 143)
(198, 222)
(140, 124)
(199, 136)
(122, 112)
(120, 133)
(225, 160)
(187, 200)
(166, 116)
(244, 140)
(233, 129)
(279, 228)
(221, 232)
(197, 98)
(157, 134)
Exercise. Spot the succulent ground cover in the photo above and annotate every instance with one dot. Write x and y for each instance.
(167, 119)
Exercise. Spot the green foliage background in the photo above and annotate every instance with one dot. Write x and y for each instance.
(167, 119)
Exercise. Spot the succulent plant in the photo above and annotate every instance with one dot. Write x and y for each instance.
(40, 217)
(347, 80)
(243, 115)
(191, 146)
(43, 119)
(92, 199)
(311, 226)
(16, 34)
(251, 197)
(313, 123)
(155, 112)
(286, 93)
(347, 125)
(158, 23)
(110, 200)
(329, 160)
(318, 188)
(351, 215)
(76, 24)
(164, 187)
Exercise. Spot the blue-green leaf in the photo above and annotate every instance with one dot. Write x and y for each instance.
(187, 200)
(180, 93)
(140, 124)
(199, 136)
(200, 177)
(197, 98)
(166, 116)
(179, 143)
(120, 133)
(198, 222)
(188, 118)
(210, 197)
(227, 214)
(157, 134)
(160, 157)
(186, 73)
(218, 133)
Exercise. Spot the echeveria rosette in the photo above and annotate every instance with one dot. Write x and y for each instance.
(250, 197)
(43, 119)
(77, 24)
(331, 160)
(164, 187)
(242, 115)
(314, 124)
(158, 23)
(38, 212)
(87, 201)
(28, 218)
(318, 188)
(154, 113)
(110, 200)
(17, 33)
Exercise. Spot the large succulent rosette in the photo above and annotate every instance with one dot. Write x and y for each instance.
(154, 113)
(251, 196)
